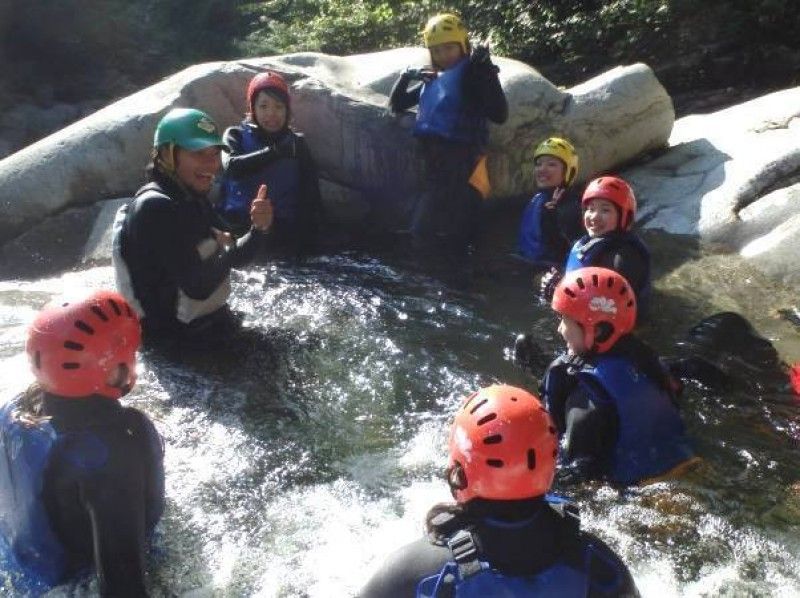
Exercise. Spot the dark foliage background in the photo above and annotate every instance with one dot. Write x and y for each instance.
(75, 50)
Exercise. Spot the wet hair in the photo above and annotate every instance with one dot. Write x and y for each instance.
(30, 406)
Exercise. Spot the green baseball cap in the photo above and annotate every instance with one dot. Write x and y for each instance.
(188, 128)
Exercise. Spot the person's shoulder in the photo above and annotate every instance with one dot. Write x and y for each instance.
(608, 574)
(403, 569)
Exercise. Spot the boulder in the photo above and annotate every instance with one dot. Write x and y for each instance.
(366, 153)
(731, 178)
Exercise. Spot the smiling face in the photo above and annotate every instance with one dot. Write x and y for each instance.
(600, 216)
(549, 172)
(269, 112)
(197, 169)
(445, 56)
(572, 333)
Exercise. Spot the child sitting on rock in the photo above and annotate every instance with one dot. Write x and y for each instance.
(456, 96)
(265, 151)
(551, 222)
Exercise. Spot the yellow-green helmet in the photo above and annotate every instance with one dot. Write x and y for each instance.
(564, 151)
(445, 28)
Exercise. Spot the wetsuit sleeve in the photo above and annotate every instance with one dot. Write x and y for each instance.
(609, 577)
(570, 218)
(557, 384)
(401, 573)
(153, 458)
(401, 98)
(591, 425)
(311, 210)
(483, 87)
(239, 164)
(629, 263)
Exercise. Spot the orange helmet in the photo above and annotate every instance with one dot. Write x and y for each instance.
(503, 446)
(593, 296)
(618, 192)
(73, 346)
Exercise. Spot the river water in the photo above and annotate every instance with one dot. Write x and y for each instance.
(296, 464)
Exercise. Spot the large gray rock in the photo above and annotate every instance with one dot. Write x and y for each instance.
(730, 177)
(367, 154)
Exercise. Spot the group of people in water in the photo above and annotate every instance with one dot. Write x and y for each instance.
(82, 484)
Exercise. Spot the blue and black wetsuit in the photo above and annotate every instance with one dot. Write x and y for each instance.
(540, 553)
(452, 132)
(617, 414)
(547, 234)
(81, 491)
(168, 263)
(283, 162)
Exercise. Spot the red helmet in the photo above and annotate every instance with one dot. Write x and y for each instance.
(592, 296)
(267, 81)
(616, 191)
(503, 446)
(74, 346)
(794, 378)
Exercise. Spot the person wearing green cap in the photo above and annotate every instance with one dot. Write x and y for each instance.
(172, 254)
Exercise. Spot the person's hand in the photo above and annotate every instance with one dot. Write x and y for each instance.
(548, 285)
(261, 210)
(224, 239)
(424, 74)
(558, 192)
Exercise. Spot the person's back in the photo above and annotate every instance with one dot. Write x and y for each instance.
(503, 537)
(82, 481)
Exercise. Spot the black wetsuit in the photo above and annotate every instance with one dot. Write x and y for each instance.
(103, 514)
(585, 416)
(543, 540)
(159, 240)
(448, 211)
(300, 235)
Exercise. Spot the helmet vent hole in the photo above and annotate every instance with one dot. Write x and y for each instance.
(70, 365)
(37, 360)
(630, 303)
(99, 313)
(73, 345)
(579, 282)
(531, 459)
(570, 293)
(115, 307)
(493, 439)
(128, 311)
(595, 281)
(610, 282)
(494, 462)
(514, 399)
(552, 430)
(84, 327)
(478, 405)
(487, 418)
(623, 289)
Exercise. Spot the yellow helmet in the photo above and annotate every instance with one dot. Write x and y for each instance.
(445, 28)
(564, 151)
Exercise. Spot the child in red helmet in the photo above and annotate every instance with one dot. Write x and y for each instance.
(609, 210)
(504, 536)
(456, 96)
(82, 477)
(609, 394)
(265, 151)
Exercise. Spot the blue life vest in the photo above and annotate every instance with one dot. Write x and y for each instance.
(531, 243)
(474, 578)
(24, 522)
(651, 438)
(443, 111)
(587, 250)
(282, 178)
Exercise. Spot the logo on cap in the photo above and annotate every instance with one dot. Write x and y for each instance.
(206, 125)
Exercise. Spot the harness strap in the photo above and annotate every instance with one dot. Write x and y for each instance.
(465, 553)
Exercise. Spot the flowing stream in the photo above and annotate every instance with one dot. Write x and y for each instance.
(297, 461)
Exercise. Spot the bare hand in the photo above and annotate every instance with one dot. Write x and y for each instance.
(261, 210)
(224, 239)
(557, 193)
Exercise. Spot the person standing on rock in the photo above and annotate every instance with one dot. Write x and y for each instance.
(456, 96)
(172, 253)
(551, 222)
(82, 477)
(504, 536)
(263, 150)
(612, 399)
(609, 210)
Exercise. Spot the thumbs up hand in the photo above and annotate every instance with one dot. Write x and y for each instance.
(261, 210)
